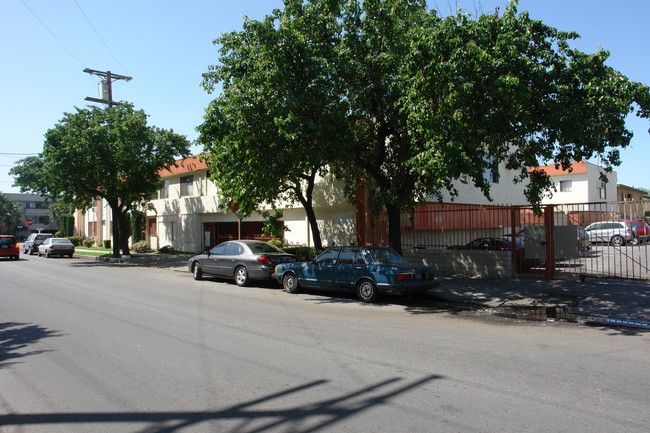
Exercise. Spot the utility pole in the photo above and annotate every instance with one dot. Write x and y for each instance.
(106, 86)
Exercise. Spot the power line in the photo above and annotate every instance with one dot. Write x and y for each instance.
(99, 36)
(52, 33)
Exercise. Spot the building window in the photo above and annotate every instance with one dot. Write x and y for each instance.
(187, 183)
(164, 190)
(626, 197)
(602, 191)
(566, 186)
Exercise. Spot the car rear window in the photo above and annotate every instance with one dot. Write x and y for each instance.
(42, 237)
(263, 247)
(7, 241)
(62, 241)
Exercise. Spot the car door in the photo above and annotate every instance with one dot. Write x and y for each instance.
(211, 261)
(227, 260)
(320, 272)
(349, 267)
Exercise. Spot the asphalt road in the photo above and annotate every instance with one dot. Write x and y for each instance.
(90, 347)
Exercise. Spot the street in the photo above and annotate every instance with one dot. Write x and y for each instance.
(86, 346)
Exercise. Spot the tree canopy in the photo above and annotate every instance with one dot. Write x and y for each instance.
(414, 101)
(9, 214)
(102, 153)
(276, 124)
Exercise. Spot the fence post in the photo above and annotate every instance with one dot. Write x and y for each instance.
(549, 223)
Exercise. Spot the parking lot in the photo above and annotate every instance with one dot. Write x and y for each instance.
(627, 262)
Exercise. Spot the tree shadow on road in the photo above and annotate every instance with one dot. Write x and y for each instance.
(14, 337)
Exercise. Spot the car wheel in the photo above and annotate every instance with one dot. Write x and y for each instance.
(70, 255)
(241, 276)
(367, 291)
(47, 254)
(39, 253)
(290, 282)
(31, 251)
(197, 272)
(634, 241)
(617, 241)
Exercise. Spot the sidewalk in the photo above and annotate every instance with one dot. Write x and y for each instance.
(616, 300)
(624, 300)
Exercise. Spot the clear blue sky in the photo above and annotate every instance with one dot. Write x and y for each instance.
(165, 45)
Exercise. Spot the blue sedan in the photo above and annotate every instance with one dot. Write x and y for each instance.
(367, 270)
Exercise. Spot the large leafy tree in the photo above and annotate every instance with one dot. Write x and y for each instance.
(9, 214)
(436, 100)
(426, 101)
(275, 126)
(102, 153)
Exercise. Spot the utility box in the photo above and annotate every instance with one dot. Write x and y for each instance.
(566, 239)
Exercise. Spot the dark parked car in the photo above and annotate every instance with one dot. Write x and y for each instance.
(242, 260)
(489, 244)
(30, 246)
(56, 247)
(9, 247)
(367, 270)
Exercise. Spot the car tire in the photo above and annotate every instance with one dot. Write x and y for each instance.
(367, 291)
(634, 241)
(290, 283)
(38, 253)
(31, 251)
(241, 276)
(70, 255)
(197, 272)
(617, 241)
(47, 255)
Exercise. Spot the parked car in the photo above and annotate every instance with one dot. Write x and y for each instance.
(9, 247)
(243, 260)
(489, 244)
(615, 233)
(367, 270)
(30, 246)
(641, 230)
(56, 247)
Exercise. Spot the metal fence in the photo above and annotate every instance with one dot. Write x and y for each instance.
(548, 244)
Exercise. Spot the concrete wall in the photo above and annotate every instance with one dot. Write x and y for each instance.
(465, 263)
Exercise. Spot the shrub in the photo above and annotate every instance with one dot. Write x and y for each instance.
(76, 240)
(304, 254)
(58, 234)
(88, 242)
(166, 249)
(277, 242)
(107, 244)
(141, 247)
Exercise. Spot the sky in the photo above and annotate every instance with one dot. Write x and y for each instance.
(166, 46)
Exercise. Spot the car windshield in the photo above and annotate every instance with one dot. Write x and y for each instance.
(263, 247)
(386, 256)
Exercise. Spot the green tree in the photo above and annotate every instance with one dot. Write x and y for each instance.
(414, 102)
(102, 153)
(276, 124)
(9, 214)
(441, 100)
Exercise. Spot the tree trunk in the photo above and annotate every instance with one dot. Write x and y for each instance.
(394, 232)
(116, 227)
(125, 232)
(306, 201)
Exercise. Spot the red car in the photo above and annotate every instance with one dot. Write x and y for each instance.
(9, 247)
(641, 230)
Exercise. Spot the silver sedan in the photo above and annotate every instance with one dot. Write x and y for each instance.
(56, 247)
(242, 260)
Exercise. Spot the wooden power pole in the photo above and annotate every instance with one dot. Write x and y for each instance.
(107, 81)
